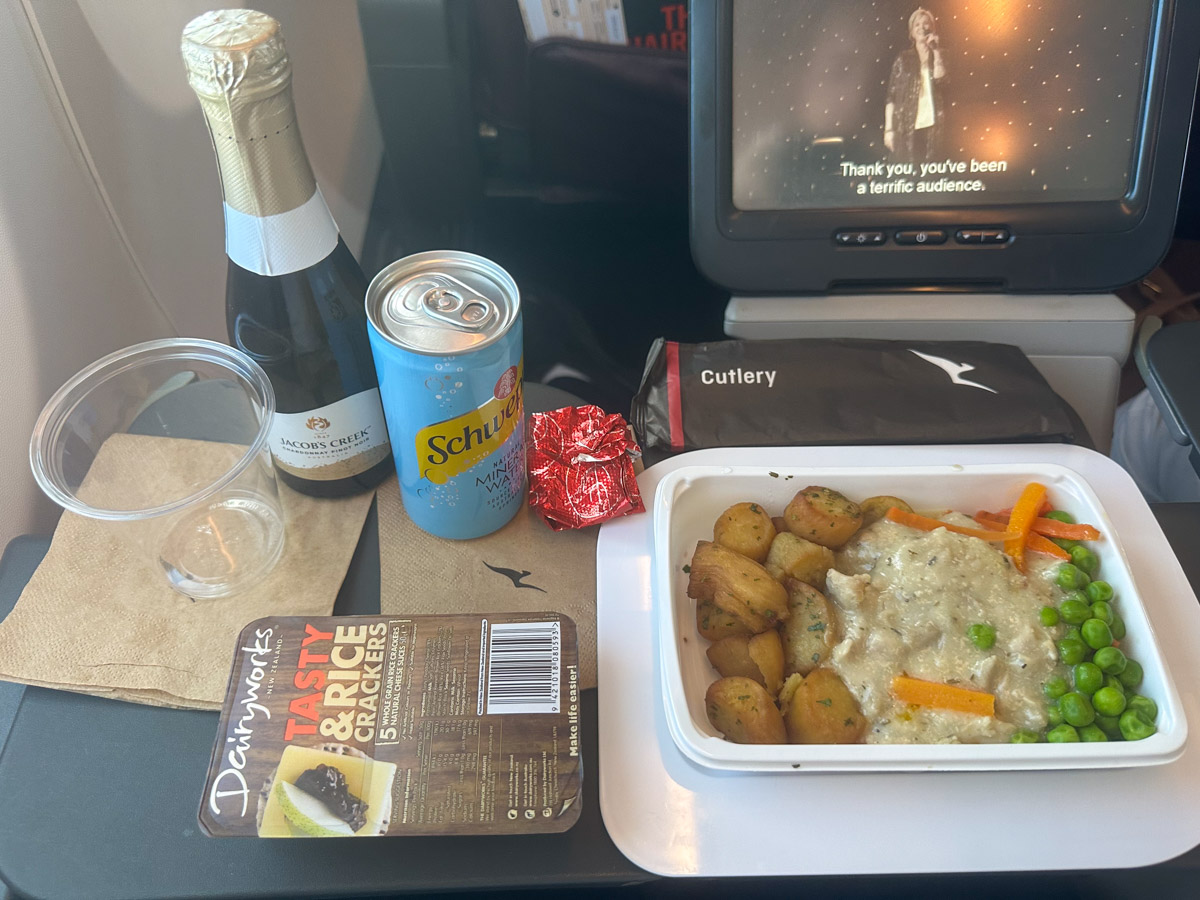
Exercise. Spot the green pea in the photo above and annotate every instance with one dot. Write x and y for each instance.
(1048, 616)
(1054, 715)
(1108, 701)
(1110, 660)
(1065, 543)
(1099, 590)
(1088, 678)
(1103, 611)
(1074, 612)
(982, 635)
(1062, 734)
(1133, 726)
(1096, 634)
(1071, 577)
(1114, 682)
(1023, 737)
(1144, 705)
(1091, 734)
(1072, 651)
(1132, 674)
(1110, 725)
(1118, 628)
(1056, 687)
(1076, 709)
(1085, 559)
(1072, 631)
(1060, 516)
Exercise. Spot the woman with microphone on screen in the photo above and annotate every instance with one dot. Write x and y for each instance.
(913, 117)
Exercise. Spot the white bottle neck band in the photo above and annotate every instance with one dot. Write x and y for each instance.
(282, 243)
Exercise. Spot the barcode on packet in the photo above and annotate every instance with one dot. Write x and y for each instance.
(524, 663)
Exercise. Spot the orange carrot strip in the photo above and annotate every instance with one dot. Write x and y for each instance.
(1035, 542)
(1055, 528)
(924, 523)
(942, 696)
(1021, 520)
(1043, 508)
(1050, 527)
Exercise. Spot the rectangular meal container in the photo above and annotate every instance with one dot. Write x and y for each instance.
(688, 502)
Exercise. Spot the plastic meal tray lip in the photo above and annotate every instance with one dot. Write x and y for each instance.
(681, 648)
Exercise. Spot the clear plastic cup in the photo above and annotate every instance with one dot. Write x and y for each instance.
(166, 443)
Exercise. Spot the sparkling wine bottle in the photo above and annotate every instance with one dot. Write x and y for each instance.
(294, 294)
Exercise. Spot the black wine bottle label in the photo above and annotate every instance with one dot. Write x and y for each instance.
(336, 441)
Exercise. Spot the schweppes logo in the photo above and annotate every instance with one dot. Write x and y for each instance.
(449, 448)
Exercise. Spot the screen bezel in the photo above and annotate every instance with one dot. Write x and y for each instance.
(721, 232)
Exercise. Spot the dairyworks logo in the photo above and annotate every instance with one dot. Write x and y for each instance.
(317, 423)
(231, 780)
(954, 370)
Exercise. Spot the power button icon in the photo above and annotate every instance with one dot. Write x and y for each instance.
(923, 237)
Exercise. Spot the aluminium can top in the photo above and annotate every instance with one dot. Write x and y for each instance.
(443, 303)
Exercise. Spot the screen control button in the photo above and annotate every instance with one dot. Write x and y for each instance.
(982, 236)
(860, 238)
(921, 236)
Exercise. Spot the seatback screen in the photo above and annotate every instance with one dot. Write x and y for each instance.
(886, 103)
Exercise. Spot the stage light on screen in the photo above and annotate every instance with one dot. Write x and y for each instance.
(992, 20)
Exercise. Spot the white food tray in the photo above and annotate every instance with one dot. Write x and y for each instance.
(689, 499)
(673, 817)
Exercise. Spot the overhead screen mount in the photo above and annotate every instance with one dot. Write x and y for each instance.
(875, 145)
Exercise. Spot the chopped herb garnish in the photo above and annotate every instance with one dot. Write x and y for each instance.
(773, 474)
(828, 701)
(687, 570)
(820, 626)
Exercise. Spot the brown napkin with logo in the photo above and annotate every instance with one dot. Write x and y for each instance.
(97, 618)
(523, 567)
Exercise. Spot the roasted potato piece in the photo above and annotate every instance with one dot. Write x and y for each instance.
(794, 557)
(742, 710)
(731, 656)
(766, 650)
(819, 709)
(875, 508)
(745, 528)
(713, 623)
(780, 524)
(739, 586)
(758, 656)
(823, 516)
(810, 631)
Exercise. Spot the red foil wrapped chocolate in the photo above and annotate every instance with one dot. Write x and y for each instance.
(581, 467)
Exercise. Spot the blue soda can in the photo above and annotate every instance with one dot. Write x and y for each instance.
(445, 330)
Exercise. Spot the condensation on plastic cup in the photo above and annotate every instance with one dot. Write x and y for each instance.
(202, 507)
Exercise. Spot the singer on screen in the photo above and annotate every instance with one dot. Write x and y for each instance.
(913, 117)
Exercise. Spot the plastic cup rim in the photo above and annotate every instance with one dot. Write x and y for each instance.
(57, 409)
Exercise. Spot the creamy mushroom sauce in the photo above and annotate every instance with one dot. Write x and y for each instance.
(906, 598)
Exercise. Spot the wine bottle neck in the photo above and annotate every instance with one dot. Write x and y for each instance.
(276, 220)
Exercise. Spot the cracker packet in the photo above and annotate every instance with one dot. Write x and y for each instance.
(361, 726)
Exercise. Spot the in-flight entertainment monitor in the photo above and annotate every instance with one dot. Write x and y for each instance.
(984, 145)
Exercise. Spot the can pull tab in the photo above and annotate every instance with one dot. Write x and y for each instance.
(452, 302)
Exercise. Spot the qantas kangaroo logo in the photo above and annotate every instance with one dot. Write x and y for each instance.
(516, 577)
(954, 370)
